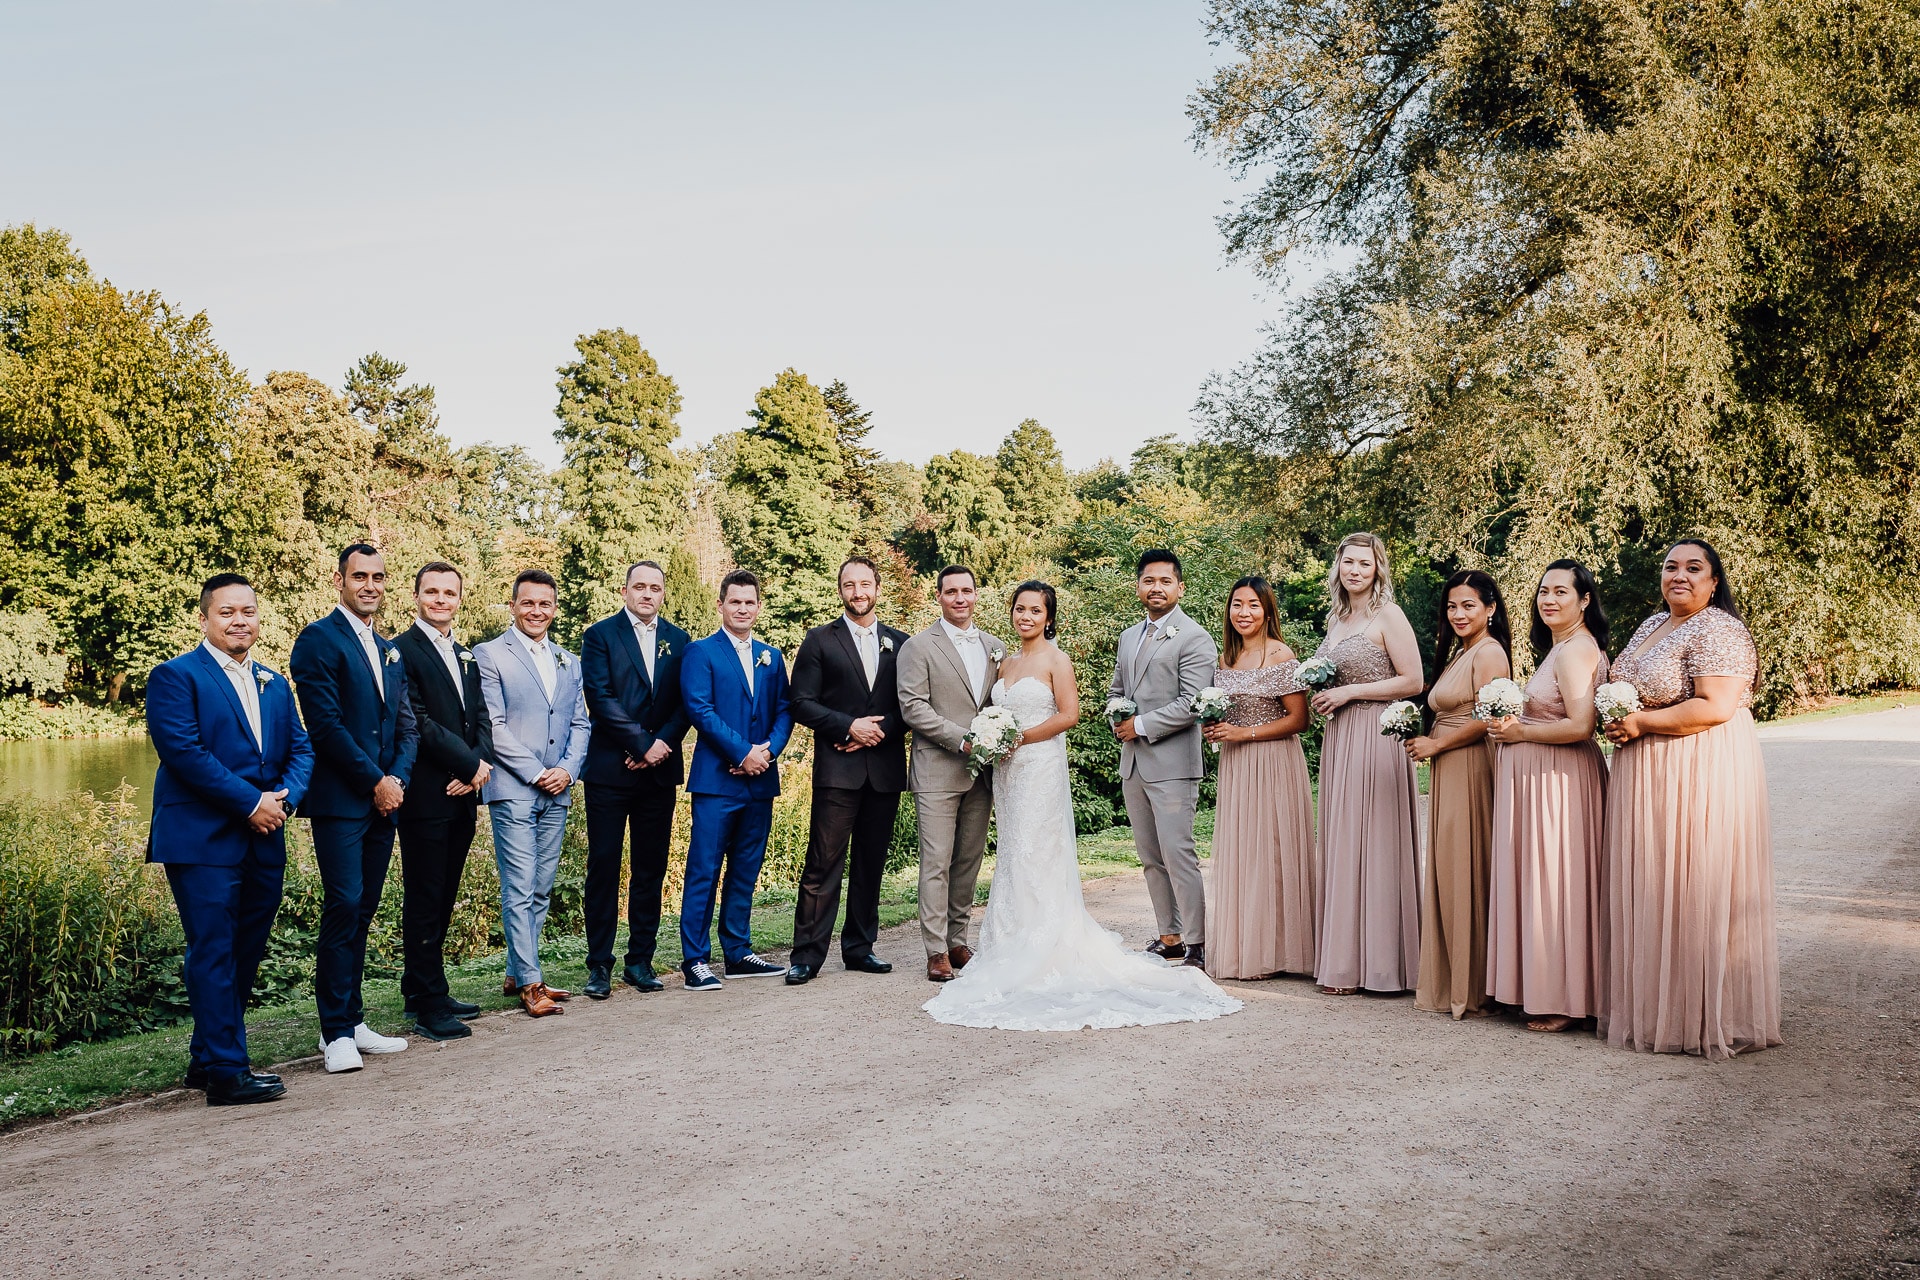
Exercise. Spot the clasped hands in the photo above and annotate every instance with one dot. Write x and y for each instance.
(864, 732)
(271, 813)
(455, 787)
(655, 754)
(758, 761)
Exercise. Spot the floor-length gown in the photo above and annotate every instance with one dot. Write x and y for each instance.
(1370, 898)
(1547, 924)
(1266, 873)
(1453, 896)
(1695, 968)
(1043, 963)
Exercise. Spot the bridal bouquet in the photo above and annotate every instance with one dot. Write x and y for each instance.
(1210, 706)
(1402, 720)
(1119, 709)
(1499, 699)
(991, 738)
(1317, 672)
(1615, 701)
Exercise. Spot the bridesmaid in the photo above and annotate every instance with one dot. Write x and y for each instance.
(1266, 877)
(1453, 899)
(1547, 931)
(1689, 853)
(1370, 912)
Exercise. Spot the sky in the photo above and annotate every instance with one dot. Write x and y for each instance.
(973, 214)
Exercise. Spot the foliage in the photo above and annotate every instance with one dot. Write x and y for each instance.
(23, 718)
(30, 656)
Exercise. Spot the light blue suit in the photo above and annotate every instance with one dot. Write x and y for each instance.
(531, 733)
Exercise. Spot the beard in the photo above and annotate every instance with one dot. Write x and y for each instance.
(859, 613)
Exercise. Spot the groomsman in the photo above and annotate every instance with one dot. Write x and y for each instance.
(234, 762)
(630, 665)
(437, 817)
(735, 690)
(352, 688)
(539, 720)
(844, 690)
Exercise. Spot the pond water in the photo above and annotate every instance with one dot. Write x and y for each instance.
(45, 770)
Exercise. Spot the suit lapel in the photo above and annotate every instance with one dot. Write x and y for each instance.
(353, 645)
(631, 643)
(946, 647)
(844, 633)
(233, 699)
(519, 646)
(433, 662)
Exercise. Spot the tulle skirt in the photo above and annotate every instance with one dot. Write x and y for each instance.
(1266, 873)
(1370, 898)
(1695, 968)
(1453, 899)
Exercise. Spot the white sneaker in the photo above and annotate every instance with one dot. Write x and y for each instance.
(367, 1040)
(341, 1055)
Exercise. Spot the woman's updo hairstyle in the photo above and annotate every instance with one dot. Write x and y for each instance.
(1046, 592)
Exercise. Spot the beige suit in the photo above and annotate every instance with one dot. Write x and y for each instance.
(952, 808)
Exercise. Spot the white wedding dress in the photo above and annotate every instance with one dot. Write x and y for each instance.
(1043, 963)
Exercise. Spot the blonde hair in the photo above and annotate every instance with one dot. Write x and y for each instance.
(1382, 592)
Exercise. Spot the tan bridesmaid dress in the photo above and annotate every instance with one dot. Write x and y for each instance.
(1370, 897)
(1695, 967)
(1453, 899)
(1547, 926)
(1266, 873)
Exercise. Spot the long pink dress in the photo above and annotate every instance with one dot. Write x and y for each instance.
(1547, 927)
(1695, 968)
(1266, 871)
(1370, 896)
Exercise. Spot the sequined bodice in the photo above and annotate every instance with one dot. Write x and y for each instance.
(1711, 643)
(1257, 693)
(1360, 660)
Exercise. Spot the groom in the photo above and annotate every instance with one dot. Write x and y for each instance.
(945, 675)
(1162, 664)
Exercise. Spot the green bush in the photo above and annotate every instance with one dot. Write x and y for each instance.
(23, 718)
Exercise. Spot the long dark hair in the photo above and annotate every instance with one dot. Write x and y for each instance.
(1498, 625)
(1541, 635)
(1231, 643)
(1722, 592)
(1046, 593)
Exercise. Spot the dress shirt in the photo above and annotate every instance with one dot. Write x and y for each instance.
(647, 635)
(368, 647)
(443, 645)
(240, 676)
(743, 649)
(1146, 641)
(972, 647)
(866, 642)
(543, 661)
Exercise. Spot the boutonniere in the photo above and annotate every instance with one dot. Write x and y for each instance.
(466, 657)
(1170, 633)
(393, 656)
(886, 644)
(765, 659)
(663, 648)
(264, 676)
(999, 655)
(560, 657)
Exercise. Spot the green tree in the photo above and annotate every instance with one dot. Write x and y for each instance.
(30, 656)
(689, 601)
(971, 524)
(1032, 477)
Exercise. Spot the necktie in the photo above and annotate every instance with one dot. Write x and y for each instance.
(445, 645)
(372, 650)
(643, 636)
(869, 655)
(1140, 657)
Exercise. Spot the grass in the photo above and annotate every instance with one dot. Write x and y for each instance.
(1833, 709)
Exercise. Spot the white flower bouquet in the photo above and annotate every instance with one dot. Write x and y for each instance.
(1118, 709)
(1402, 720)
(1499, 699)
(1317, 672)
(1615, 701)
(991, 738)
(1210, 706)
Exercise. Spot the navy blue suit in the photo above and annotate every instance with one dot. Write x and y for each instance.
(358, 738)
(226, 877)
(731, 813)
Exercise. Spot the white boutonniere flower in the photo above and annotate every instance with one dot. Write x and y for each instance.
(765, 659)
(560, 658)
(999, 655)
(886, 644)
(264, 676)
(662, 648)
(393, 656)
(466, 657)
(1170, 633)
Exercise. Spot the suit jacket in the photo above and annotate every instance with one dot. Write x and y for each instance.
(358, 736)
(455, 734)
(830, 692)
(630, 711)
(212, 771)
(731, 719)
(938, 704)
(531, 732)
(1163, 683)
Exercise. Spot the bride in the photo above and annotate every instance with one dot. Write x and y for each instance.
(1044, 964)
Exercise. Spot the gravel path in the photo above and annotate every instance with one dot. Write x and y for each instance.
(834, 1130)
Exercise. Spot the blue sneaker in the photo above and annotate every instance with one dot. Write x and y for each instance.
(701, 977)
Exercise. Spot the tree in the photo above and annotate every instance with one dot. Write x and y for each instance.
(30, 655)
(689, 601)
(971, 522)
(1032, 477)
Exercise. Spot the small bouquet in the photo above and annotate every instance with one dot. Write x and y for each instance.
(991, 738)
(1317, 672)
(1119, 709)
(1210, 706)
(1499, 699)
(1615, 701)
(1402, 720)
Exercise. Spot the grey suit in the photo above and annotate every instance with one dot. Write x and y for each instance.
(1160, 771)
(952, 808)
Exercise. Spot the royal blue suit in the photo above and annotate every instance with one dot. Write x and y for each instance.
(359, 737)
(226, 877)
(731, 813)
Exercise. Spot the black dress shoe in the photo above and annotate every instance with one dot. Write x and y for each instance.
(1165, 952)
(799, 973)
(640, 978)
(1197, 956)
(599, 982)
(869, 963)
(440, 1024)
(238, 1091)
(197, 1078)
(459, 1008)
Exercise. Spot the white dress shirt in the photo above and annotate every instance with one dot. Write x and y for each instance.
(647, 635)
(240, 676)
(972, 647)
(368, 647)
(866, 642)
(743, 649)
(543, 660)
(443, 645)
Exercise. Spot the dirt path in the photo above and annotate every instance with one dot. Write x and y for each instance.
(834, 1130)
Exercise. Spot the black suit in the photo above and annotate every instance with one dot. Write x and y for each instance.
(856, 794)
(631, 711)
(436, 829)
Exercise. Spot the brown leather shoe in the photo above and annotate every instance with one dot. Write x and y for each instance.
(509, 987)
(960, 955)
(555, 993)
(938, 969)
(535, 999)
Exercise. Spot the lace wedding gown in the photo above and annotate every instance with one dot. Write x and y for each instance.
(1044, 964)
